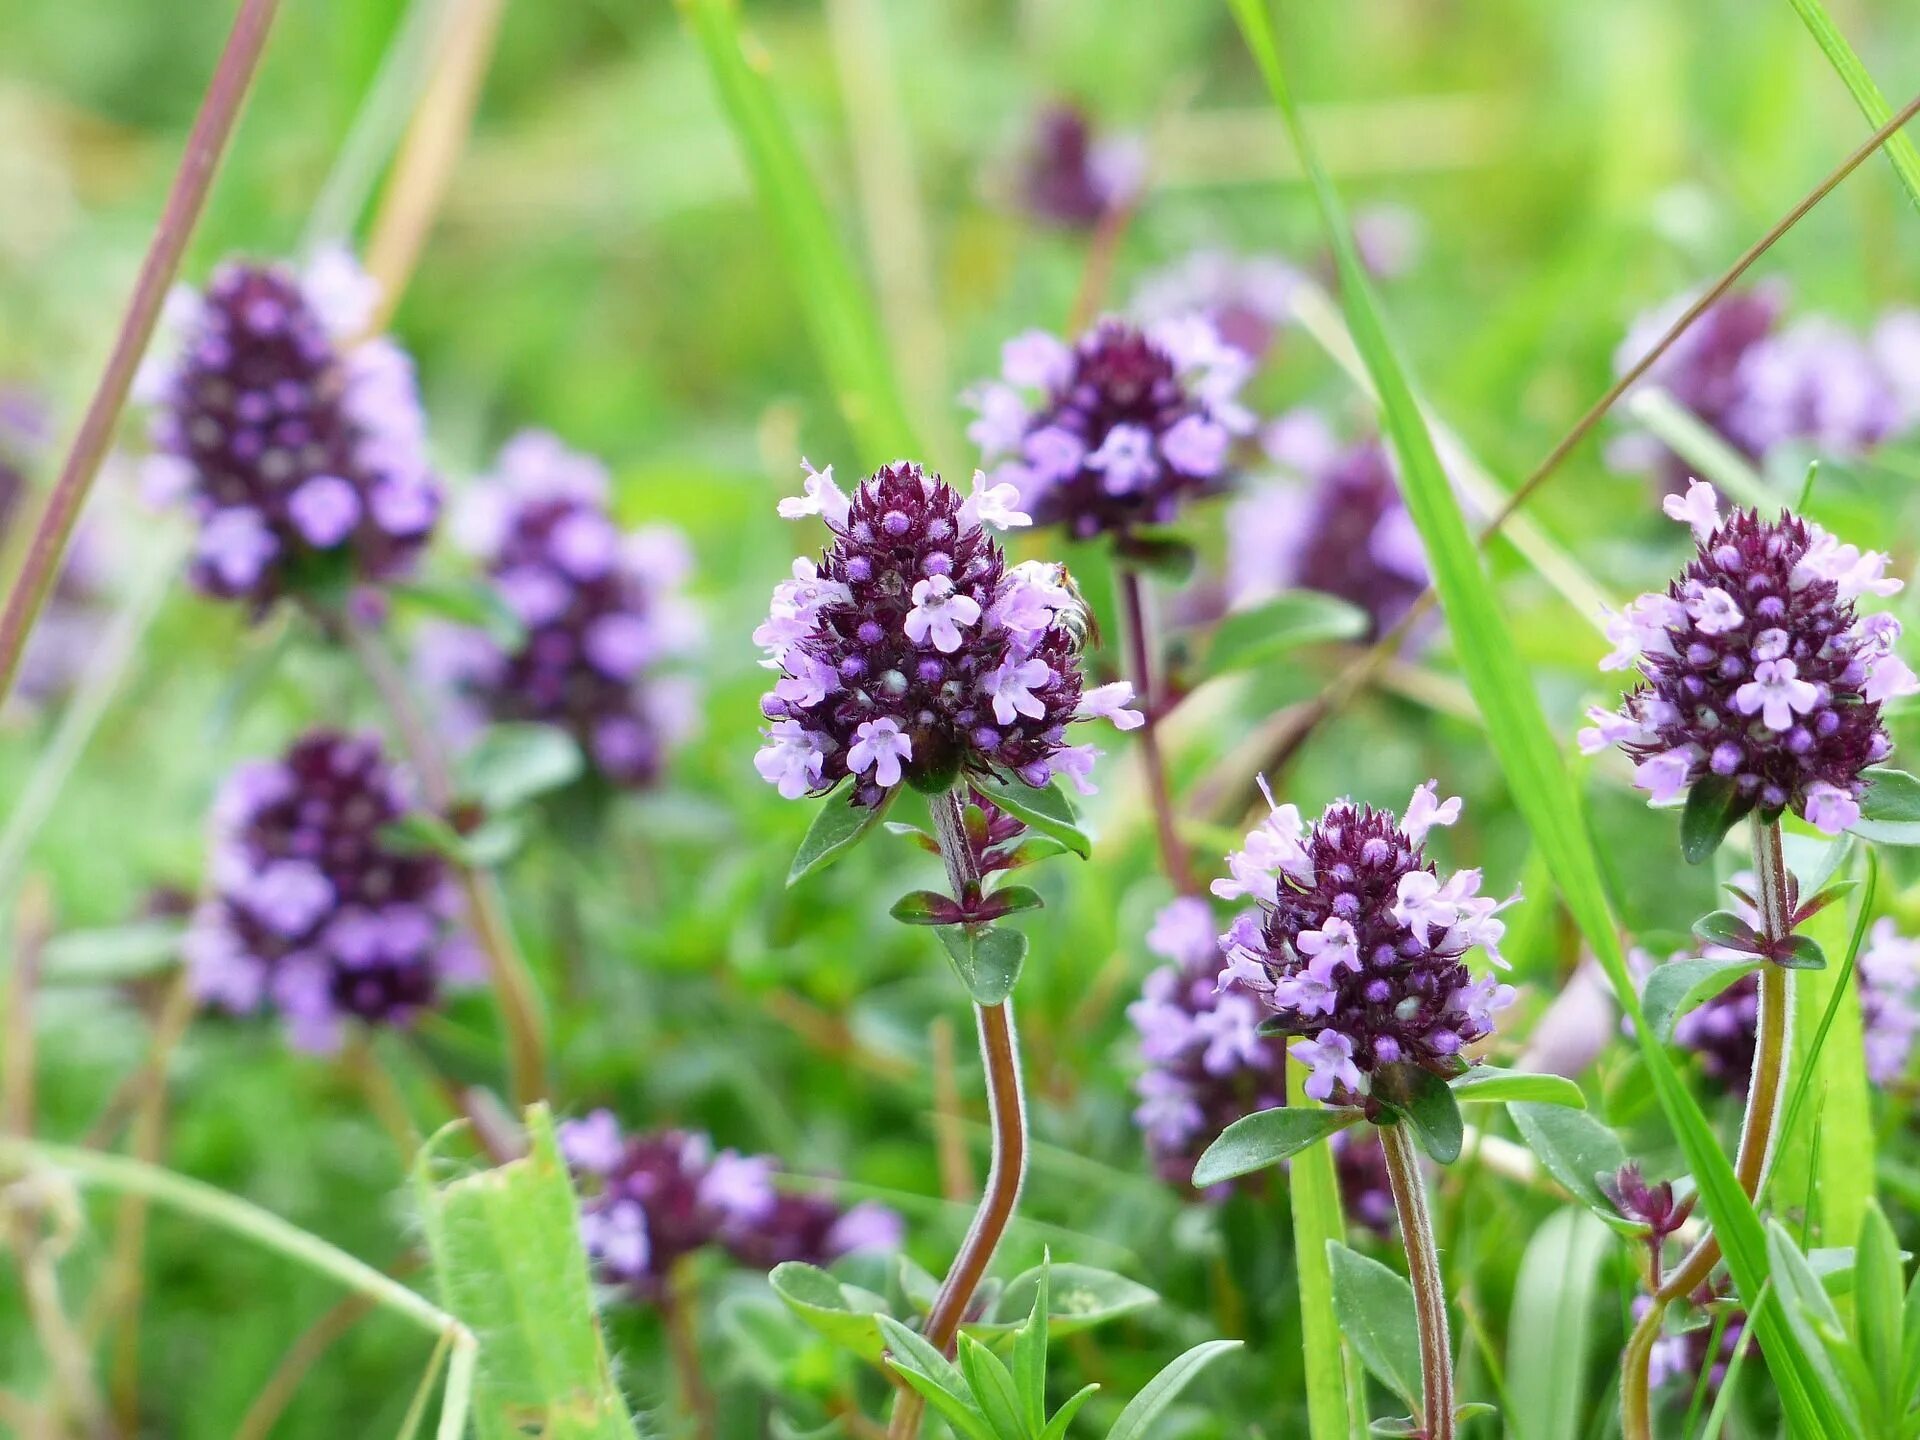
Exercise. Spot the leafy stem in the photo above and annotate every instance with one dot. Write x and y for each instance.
(1423, 1271)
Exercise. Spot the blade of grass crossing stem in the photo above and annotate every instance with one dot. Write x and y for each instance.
(1336, 1387)
(1900, 150)
(1536, 773)
(838, 308)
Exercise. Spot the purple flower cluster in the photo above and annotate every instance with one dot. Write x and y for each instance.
(1247, 299)
(299, 444)
(1359, 946)
(1207, 1063)
(1116, 430)
(1759, 385)
(601, 610)
(1073, 179)
(649, 1200)
(913, 651)
(1756, 669)
(312, 913)
(1346, 532)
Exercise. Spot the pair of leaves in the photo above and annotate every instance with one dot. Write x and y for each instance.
(840, 824)
(930, 907)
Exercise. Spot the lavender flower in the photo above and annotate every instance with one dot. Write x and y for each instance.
(649, 1200)
(1246, 298)
(1889, 970)
(1756, 669)
(299, 445)
(1117, 430)
(1760, 386)
(1347, 534)
(1074, 180)
(1359, 946)
(1207, 1065)
(313, 914)
(913, 651)
(601, 610)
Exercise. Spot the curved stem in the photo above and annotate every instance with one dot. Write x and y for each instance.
(212, 127)
(1423, 1271)
(1759, 1125)
(513, 987)
(1173, 859)
(1007, 1121)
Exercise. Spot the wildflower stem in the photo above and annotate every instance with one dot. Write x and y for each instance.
(1423, 1270)
(1007, 1118)
(1759, 1126)
(513, 987)
(212, 127)
(1139, 660)
(677, 1307)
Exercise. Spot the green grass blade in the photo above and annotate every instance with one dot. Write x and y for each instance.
(1535, 770)
(838, 308)
(1900, 150)
(1336, 1386)
(506, 1255)
(1550, 1333)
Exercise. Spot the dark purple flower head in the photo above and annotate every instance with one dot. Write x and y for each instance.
(1759, 386)
(1207, 1065)
(1359, 945)
(312, 913)
(1756, 669)
(299, 445)
(601, 610)
(1116, 431)
(1346, 533)
(913, 651)
(1073, 179)
(648, 1201)
(1653, 1205)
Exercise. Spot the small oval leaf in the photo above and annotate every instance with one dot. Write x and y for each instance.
(987, 961)
(1677, 986)
(1046, 808)
(1486, 1085)
(1576, 1148)
(1256, 1141)
(838, 827)
(1247, 639)
(1424, 1101)
(1376, 1313)
(1714, 806)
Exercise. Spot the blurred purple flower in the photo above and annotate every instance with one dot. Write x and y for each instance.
(1247, 298)
(312, 913)
(1756, 669)
(298, 443)
(1072, 178)
(650, 1200)
(601, 609)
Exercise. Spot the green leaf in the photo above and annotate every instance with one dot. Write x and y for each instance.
(1424, 1101)
(515, 763)
(1164, 1388)
(837, 828)
(1164, 553)
(1030, 1356)
(1063, 1417)
(1247, 639)
(1550, 1333)
(1890, 808)
(1266, 1137)
(1012, 899)
(1046, 809)
(1336, 1386)
(421, 832)
(1801, 952)
(1575, 1148)
(1377, 1315)
(829, 1307)
(1529, 755)
(925, 907)
(1723, 927)
(992, 1386)
(1484, 1085)
(1901, 153)
(914, 833)
(1714, 806)
(496, 841)
(930, 1373)
(1677, 986)
(1079, 1298)
(505, 1245)
(111, 956)
(1877, 1286)
(839, 311)
(988, 961)
(1808, 1311)
(464, 602)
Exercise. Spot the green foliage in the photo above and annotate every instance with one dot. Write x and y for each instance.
(837, 827)
(1377, 1316)
(1260, 635)
(1679, 985)
(1552, 1330)
(1265, 1138)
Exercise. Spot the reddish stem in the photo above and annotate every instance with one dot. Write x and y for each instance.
(1173, 859)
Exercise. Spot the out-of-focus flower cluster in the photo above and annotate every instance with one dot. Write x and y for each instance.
(297, 440)
(1334, 522)
(913, 651)
(1072, 177)
(1756, 669)
(650, 1200)
(1116, 430)
(1760, 384)
(1357, 943)
(601, 612)
(312, 912)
